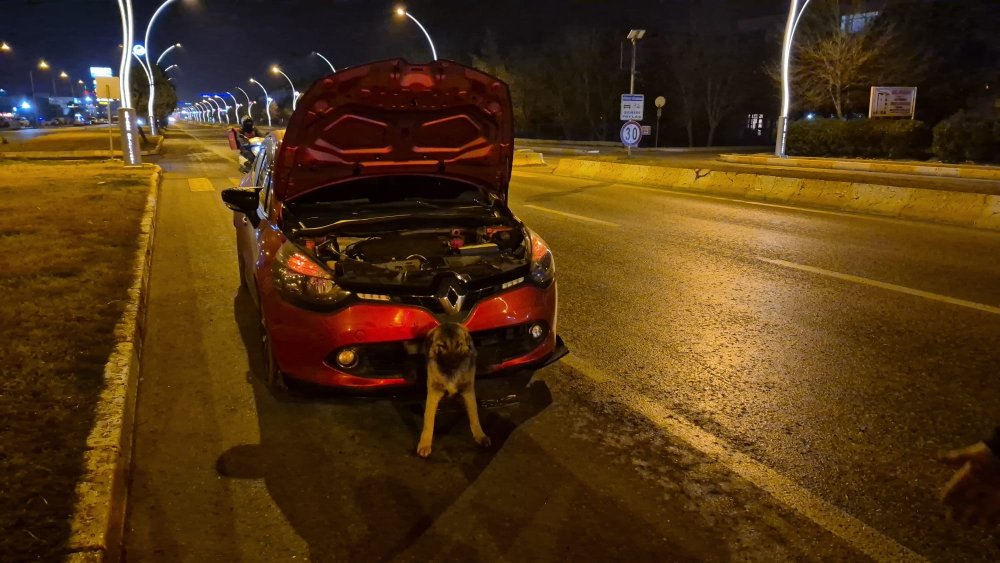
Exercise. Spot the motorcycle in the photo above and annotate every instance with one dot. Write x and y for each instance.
(248, 148)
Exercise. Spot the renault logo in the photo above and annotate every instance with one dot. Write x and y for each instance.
(452, 300)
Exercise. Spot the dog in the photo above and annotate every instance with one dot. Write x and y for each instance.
(451, 371)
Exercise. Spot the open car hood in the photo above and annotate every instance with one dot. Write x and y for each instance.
(392, 117)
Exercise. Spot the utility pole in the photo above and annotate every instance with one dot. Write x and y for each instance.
(634, 36)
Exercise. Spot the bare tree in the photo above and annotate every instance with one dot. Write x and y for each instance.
(685, 64)
(833, 66)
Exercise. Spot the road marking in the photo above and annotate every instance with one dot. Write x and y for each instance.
(573, 216)
(856, 533)
(884, 285)
(200, 185)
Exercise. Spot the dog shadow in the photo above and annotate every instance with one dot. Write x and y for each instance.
(344, 471)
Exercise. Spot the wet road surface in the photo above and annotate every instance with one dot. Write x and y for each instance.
(747, 382)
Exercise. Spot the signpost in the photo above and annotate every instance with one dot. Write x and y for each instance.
(631, 109)
(892, 102)
(111, 87)
(630, 134)
(659, 102)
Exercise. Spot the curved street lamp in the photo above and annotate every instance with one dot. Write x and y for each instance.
(166, 70)
(236, 107)
(149, 67)
(249, 103)
(401, 11)
(215, 108)
(163, 54)
(794, 15)
(225, 107)
(4, 47)
(276, 70)
(267, 101)
(326, 60)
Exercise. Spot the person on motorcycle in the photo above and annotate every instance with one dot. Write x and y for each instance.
(248, 131)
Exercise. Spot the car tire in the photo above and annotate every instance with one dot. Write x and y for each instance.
(274, 378)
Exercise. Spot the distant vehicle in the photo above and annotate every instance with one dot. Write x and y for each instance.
(354, 244)
(25, 123)
(56, 121)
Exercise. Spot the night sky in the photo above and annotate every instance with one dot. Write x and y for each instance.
(228, 41)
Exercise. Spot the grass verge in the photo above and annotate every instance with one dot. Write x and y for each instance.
(73, 140)
(67, 242)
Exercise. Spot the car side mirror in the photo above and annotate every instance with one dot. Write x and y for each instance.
(243, 200)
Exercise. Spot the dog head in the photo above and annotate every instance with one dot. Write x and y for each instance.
(449, 345)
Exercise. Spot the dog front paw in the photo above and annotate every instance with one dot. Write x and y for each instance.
(424, 449)
(483, 441)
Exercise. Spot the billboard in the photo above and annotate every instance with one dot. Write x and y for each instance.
(892, 101)
(96, 71)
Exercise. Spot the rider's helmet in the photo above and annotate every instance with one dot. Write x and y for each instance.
(248, 124)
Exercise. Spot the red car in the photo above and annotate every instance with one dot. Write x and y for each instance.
(380, 212)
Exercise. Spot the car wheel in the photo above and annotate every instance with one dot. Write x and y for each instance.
(276, 381)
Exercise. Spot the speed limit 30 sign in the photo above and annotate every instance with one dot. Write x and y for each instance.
(631, 134)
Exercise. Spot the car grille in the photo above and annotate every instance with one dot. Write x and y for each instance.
(394, 359)
(432, 304)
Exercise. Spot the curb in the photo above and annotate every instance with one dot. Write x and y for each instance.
(963, 209)
(98, 520)
(73, 155)
(527, 157)
(973, 172)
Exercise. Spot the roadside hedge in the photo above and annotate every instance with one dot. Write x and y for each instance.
(963, 137)
(863, 138)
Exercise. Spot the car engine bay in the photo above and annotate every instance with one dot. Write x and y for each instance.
(417, 259)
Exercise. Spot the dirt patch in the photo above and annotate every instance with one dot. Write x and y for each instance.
(68, 241)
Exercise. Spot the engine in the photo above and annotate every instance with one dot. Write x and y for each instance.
(416, 260)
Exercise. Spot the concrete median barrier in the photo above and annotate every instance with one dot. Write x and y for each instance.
(973, 172)
(528, 158)
(937, 206)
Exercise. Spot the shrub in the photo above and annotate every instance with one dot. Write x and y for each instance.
(963, 137)
(858, 138)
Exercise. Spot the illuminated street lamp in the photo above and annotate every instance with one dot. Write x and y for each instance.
(295, 94)
(217, 108)
(236, 108)
(42, 65)
(166, 70)
(164, 53)
(401, 11)
(149, 68)
(4, 47)
(267, 101)
(320, 55)
(249, 102)
(225, 107)
(794, 15)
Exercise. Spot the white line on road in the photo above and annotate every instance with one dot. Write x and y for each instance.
(573, 216)
(859, 535)
(884, 285)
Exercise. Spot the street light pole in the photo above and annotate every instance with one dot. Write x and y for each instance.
(225, 107)
(236, 107)
(249, 103)
(400, 11)
(164, 53)
(277, 70)
(794, 15)
(267, 101)
(320, 55)
(149, 66)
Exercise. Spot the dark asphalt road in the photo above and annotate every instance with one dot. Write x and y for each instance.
(716, 406)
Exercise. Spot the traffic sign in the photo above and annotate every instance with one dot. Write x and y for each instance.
(631, 134)
(647, 130)
(631, 109)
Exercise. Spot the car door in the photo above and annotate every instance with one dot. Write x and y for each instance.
(248, 234)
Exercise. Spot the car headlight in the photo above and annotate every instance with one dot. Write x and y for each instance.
(543, 266)
(300, 280)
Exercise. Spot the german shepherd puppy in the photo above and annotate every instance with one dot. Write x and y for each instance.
(451, 370)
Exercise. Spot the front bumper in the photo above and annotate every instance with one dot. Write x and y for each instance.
(387, 337)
